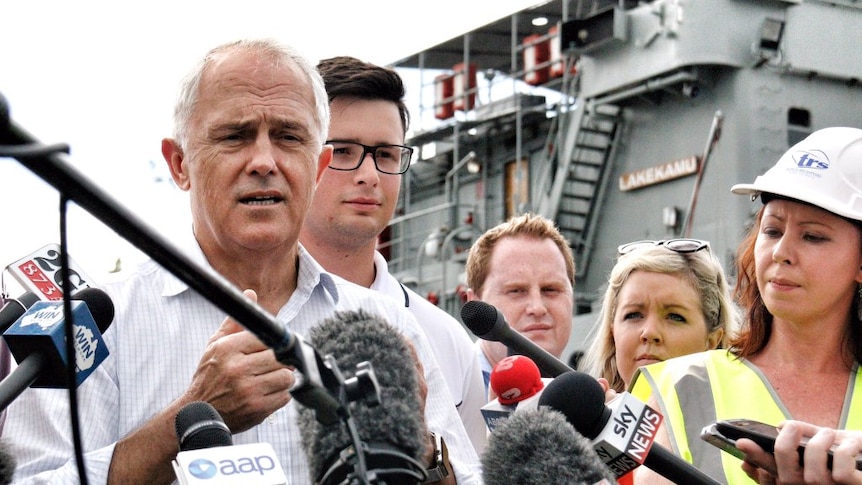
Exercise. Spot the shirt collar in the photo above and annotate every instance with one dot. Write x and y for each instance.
(310, 273)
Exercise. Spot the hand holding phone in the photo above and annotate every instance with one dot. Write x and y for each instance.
(723, 434)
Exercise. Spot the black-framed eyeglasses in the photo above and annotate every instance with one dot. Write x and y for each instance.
(682, 246)
(390, 159)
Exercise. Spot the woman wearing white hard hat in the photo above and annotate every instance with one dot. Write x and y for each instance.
(799, 273)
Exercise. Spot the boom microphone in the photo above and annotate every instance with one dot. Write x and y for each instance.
(392, 433)
(539, 447)
(207, 454)
(37, 341)
(622, 432)
(487, 323)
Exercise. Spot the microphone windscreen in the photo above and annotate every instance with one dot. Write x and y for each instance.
(200, 426)
(352, 337)
(539, 447)
(581, 399)
(515, 378)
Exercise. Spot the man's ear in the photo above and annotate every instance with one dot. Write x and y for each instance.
(323, 161)
(175, 159)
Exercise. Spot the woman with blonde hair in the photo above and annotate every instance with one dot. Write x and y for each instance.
(663, 299)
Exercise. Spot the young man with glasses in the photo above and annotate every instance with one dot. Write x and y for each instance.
(354, 201)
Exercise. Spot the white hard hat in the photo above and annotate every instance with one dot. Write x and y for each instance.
(824, 169)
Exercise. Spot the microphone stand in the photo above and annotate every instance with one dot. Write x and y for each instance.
(360, 464)
(315, 388)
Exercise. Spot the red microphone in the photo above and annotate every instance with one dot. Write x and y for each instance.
(516, 378)
(518, 383)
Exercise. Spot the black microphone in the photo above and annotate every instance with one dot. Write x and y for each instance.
(14, 308)
(37, 341)
(622, 431)
(539, 447)
(487, 323)
(207, 452)
(199, 425)
(393, 433)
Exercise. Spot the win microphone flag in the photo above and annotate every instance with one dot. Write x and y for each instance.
(13, 308)
(41, 331)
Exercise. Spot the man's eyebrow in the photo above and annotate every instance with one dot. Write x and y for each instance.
(230, 126)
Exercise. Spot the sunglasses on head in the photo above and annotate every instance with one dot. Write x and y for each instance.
(682, 246)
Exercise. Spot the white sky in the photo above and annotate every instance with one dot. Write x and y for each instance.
(102, 77)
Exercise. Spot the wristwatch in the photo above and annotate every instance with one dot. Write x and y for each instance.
(441, 456)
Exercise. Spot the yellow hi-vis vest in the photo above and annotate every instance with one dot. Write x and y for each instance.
(694, 391)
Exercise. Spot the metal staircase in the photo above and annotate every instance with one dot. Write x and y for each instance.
(573, 187)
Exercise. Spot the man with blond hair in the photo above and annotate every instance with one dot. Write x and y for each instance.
(524, 267)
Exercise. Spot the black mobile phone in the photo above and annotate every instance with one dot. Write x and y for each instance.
(761, 433)
(724, 434)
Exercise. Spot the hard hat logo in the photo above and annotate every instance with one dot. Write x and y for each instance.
(807, 159)
(824, 169)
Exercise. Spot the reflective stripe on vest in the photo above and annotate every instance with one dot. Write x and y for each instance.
(738, 390)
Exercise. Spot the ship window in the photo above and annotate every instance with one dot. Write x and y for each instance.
(798, 125)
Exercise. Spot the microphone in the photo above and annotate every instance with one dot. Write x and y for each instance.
(39, 273)
(517, 383)
(622, 432)
(515, 379)
(393, 434)
(207, 453)
(37, 341)
(539, 447)
(487, 323)
(14, 308)
(199, 425)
